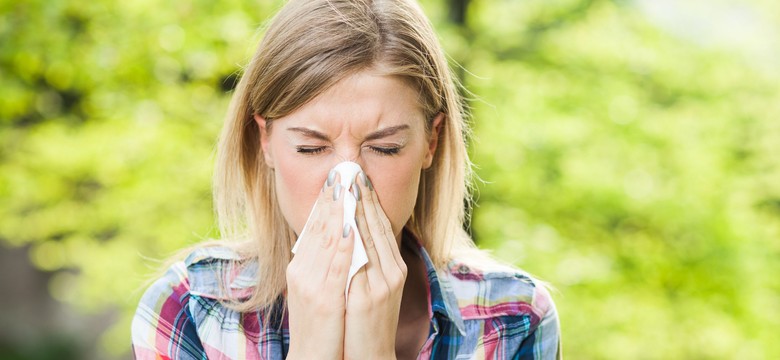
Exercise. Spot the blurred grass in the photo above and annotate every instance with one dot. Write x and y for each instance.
(630, 165)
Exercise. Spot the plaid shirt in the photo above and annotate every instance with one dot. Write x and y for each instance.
(474, 314)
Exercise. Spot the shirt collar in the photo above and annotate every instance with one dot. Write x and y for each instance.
(209, 269)
(443, 300)
(203, 264)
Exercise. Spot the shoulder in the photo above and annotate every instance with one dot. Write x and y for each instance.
(212, 272)
(162, 301)
(488, 289)
(504, 310)
(181, 314)
(169, 313)
(220, 273)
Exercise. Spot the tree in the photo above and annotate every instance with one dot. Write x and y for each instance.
(629, 165)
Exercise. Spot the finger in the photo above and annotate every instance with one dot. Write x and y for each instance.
(360, 283)
(338, 270)
(340, 259)
(334, 216)
(392, 242)
(373, 267)
(381, 231)
(317, 221)
(321, 229)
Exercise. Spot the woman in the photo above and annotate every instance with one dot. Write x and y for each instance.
(344, 80)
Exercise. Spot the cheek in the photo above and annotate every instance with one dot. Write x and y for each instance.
(297, 188)
(396, 187)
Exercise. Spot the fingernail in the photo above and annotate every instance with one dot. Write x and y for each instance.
(331, 177)
(356, 192)
(365, 181)
(347, 229)
(336, 191)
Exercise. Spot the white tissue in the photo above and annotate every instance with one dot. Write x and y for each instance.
(347, 171)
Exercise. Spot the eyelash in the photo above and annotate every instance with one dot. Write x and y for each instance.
(310, 150)
(388, 151)
(385, 151)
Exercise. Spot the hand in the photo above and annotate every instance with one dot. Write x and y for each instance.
(316, 278)
(374, 300)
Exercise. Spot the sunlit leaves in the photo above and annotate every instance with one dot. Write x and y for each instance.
(624, 165)
(633, 168)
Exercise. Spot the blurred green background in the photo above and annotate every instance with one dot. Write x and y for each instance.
(629, 152)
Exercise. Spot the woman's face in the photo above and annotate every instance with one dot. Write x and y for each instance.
(373, 120)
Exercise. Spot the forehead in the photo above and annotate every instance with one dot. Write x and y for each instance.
(364, 99)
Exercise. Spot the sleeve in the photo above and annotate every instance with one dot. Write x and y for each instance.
(544, 342)
(162, 327)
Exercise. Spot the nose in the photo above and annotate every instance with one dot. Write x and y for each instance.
(348, 155)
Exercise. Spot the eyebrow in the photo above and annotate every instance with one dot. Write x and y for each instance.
(392, 130)
(310, 133)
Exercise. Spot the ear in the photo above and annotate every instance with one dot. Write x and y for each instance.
(262, 124)
(433, 141)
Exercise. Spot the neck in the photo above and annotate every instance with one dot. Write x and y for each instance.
(416, 285)
(414, 319)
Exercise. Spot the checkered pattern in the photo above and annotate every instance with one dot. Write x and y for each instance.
(475, 314)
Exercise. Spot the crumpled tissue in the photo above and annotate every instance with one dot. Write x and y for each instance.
(347, 171)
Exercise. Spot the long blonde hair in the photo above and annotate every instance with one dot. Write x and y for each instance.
(309, 46)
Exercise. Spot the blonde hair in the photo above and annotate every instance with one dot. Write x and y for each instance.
(309, 46)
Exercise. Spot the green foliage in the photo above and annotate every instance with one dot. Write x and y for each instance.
(633, 168)
(110, 111)
(635, 171)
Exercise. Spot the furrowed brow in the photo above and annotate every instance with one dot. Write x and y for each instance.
(386, 132)
(309, 133)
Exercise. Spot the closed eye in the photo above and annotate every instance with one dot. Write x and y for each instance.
(385, 150)
(309, 150)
